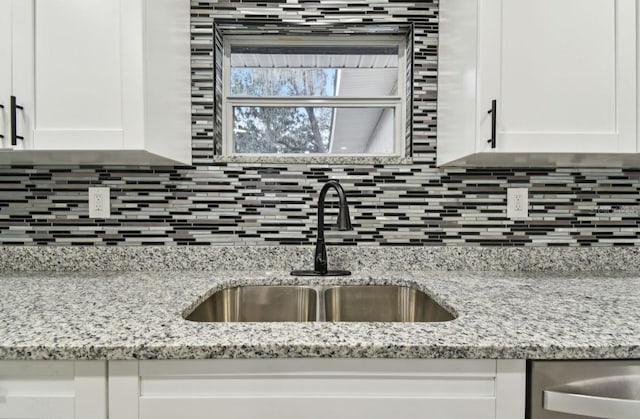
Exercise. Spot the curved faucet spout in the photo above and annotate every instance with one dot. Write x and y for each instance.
(344, 223)
(344, 219)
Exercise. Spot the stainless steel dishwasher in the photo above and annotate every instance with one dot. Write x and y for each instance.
(584, 389)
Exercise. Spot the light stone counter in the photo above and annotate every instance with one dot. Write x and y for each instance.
(138, 315)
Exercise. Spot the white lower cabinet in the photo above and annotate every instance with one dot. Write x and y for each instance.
(317, 388)
(263, 388)
(53, 389)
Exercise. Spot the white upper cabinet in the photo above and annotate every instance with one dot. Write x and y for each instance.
(562, 74)
(98, 81)
(5, 71)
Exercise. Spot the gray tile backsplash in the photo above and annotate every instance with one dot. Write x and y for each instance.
(230, 203)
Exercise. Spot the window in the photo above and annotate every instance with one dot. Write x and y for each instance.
(311, 95)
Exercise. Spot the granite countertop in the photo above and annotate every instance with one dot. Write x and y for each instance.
(138, 315)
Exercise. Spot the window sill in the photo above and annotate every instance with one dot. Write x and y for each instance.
(333, 160)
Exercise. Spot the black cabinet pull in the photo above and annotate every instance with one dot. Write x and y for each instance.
(494, 118)
(14, 121)
(1, 107)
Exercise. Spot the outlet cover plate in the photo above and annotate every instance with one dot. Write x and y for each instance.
(517, 203)
(99, 203)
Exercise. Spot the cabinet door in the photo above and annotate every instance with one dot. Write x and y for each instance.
(5, 71)
(69, 72)
(53, 390)
(563, 73)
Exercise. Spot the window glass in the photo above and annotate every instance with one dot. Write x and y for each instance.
(283, 82)
(299, 96)
(314, 71)
(306, 130)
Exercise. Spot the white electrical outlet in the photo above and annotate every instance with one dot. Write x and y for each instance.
(517, 202)
(99, 203)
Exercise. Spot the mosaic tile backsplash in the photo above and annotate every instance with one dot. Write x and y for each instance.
(223, 203)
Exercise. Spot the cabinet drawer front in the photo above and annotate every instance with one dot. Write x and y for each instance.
(32, 397)
(318, 378)
(344, 407)
(37, 407)
(310, 389)
(317, 388)
(53, 390)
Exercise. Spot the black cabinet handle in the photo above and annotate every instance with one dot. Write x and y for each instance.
(14, 121)
(1, 107)
(494, 118)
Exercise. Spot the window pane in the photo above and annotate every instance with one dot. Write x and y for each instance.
(314, 70)
(313, 130)
(283, 82)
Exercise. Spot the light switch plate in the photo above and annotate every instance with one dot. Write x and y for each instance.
(99, 203)
(517, 203)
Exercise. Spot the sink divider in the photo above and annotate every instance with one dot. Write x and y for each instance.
(321, 313)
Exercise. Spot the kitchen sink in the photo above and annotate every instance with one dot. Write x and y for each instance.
(258, 304)
(352, 303)
(382, 304)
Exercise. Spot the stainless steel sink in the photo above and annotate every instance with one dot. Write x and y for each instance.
(258, 304)
(382, 304)
(355, 303)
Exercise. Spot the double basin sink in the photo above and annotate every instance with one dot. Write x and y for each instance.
(354, 303)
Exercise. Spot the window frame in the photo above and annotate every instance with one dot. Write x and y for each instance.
(397, 102)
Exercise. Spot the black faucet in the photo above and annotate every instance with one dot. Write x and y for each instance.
(344, 223)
